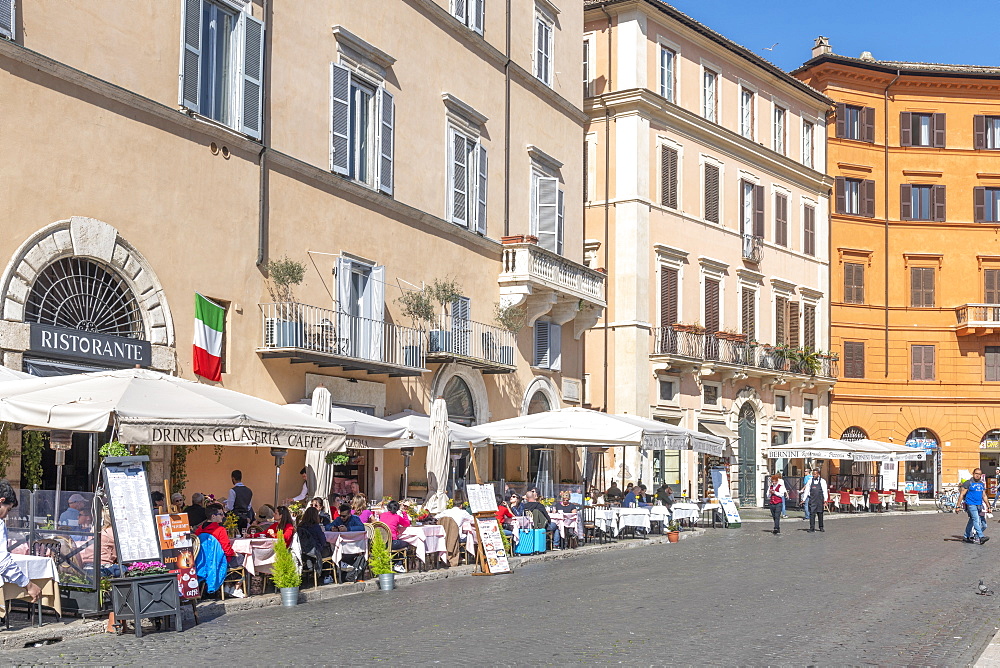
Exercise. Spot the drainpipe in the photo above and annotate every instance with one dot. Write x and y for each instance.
(506, 128)
(265, 137)
(885, 207)
(607, 201)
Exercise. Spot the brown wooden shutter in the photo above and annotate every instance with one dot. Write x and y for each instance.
(991, 287)
(711, 193)
(915, 284)
(979, 132)
(711, 306)
(668, 177)
(780, 314)
(938, 209)
(859, 284)
(758, 211)
(841, 206)
(849, 282)
(928, 286)
(905, 202)
(868, 198)
(586, 165)
(809, 231)
(854, 359)
(905, 128)
(992, 355)
(749, 315)
(868, 125)
(841, 120)
(916, 362)
(793, 324)
(668, 296)
(781, 220)
(809, 325)
(979, 204)
(938, 130)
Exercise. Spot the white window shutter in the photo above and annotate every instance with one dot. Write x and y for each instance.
(555, 346)
(481, 192)
(376, 284)
(459, 179)
(340, 107)
(386, 140)
(561, 227)
(253, 75)
(541, 344)
(8, 11)
(190, 84)
(458, 9)
(547, 203)
(477, 14)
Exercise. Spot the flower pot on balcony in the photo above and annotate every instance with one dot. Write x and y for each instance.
(280, 333)
(440, 341)
(512, 239)
(530, 239)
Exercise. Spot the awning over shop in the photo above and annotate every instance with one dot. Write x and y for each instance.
(417, 431)
(363, 431)
(720, 430)
(863, 450)
(151, 408)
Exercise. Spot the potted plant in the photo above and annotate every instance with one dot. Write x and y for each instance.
(284, 329)
(445, 292)
(380, 563)
(147, 589)
(285, 574)
(673, 531)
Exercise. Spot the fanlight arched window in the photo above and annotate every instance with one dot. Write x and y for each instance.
(853, 434)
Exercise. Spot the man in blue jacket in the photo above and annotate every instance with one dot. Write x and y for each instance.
(974, 495)
(346, 521)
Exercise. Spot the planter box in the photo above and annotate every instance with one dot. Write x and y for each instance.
(136, 599)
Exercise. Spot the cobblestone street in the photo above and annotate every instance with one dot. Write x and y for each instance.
(872, 590)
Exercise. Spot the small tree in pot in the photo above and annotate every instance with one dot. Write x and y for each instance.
(380, 562)
(282, 275)
(286, 574)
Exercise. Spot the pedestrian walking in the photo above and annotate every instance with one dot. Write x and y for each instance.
(776, 494)
(817, 496)
(803, 494)
(973, 494)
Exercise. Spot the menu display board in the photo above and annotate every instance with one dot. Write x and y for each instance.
(494, 555)
(131, 510)
(482, 498)
(174, 533)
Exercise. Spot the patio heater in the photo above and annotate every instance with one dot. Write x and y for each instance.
(543, 479)
(453, 478)
(60, 441)
(407, 453)
(279, 459)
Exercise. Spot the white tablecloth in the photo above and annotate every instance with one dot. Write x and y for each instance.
(563, 520)
(604, 519)
(257, 553)
(659, 514)
(632, 517)
(424, 539)
(36, 568)
(686, 511)
(347, 542)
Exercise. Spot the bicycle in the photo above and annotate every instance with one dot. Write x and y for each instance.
(946, 501)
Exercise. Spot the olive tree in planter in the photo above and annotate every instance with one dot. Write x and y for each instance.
(445, 292)
(381, 563)
(285, 574)
(285, 329)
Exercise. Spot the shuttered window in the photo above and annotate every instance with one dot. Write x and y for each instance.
(986, 204)
(986, 132)
(222, 63)
(781, 220)
(855, 197)
(854, 122)
(992, 357)
(922, 202)
(921, 129)
(470, 13)
(780, 319)
(7, 20)
(668, 177)
(854, 359)
(544, 30)
(711, 193)
(548, 213)
(854, 283)
(586, 171)
(548, 345)
(809, 230)
(362, 142)
(749, 312)
(668, 296)
(809, 326)
(921, 287)
(793, 324)
(709, 98)
(467, 181)
(922, 362)
(711, 305)
(991, 291)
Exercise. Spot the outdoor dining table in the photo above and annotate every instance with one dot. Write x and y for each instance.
(613, 520)
(686, 511)
(564, 520)
(257, 553)
(346, 542)
(425, 539)
(43, 572)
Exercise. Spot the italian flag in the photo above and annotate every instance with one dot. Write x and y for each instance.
(209, 321)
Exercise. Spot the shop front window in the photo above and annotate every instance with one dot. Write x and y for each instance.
(989, 458)
(920, 476)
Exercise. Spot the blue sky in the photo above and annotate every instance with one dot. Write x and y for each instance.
(916, 30)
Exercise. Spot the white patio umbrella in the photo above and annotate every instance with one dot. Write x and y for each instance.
(418, 430)
(363, 431)
(6, 373)
(152, 408)
(320, 472)
(437, 457)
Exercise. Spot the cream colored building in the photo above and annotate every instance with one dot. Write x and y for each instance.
(176, 147)
(707, 202)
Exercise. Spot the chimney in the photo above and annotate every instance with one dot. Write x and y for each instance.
(821, 47)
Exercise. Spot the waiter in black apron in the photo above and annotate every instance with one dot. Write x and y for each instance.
(240, 500)
(817, 493)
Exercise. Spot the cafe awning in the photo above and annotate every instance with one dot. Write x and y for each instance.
(151, 408)
(863, 450)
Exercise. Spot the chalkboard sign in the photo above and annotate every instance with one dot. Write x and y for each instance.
(131, 509)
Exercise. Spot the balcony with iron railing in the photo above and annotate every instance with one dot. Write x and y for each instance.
(753, 248)
(486, 347)
(336, 338)
(978, 319)
(688, 344)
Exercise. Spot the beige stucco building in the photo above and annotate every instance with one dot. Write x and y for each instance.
(706, 200)
(184, 144)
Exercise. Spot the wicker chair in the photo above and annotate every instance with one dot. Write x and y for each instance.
(407, 554)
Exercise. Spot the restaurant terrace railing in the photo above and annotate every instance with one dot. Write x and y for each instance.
(311, 333)
(696, 344)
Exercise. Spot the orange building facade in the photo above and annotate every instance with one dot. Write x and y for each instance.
(915, 259)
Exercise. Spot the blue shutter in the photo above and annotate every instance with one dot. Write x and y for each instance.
(555, 346)
(253, 75)
(481, 192)
(386, 140)
(340, 108)
(547, 214)
(190, 77)
(7, 22)
(541, 344)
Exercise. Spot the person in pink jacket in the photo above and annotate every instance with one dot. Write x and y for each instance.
(396, 521)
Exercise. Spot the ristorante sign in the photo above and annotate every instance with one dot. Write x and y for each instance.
(77, 344)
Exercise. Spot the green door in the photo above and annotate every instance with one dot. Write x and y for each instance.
(748, 456)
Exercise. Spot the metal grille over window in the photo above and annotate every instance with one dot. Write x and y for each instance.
(853, 434)
(79, 294)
